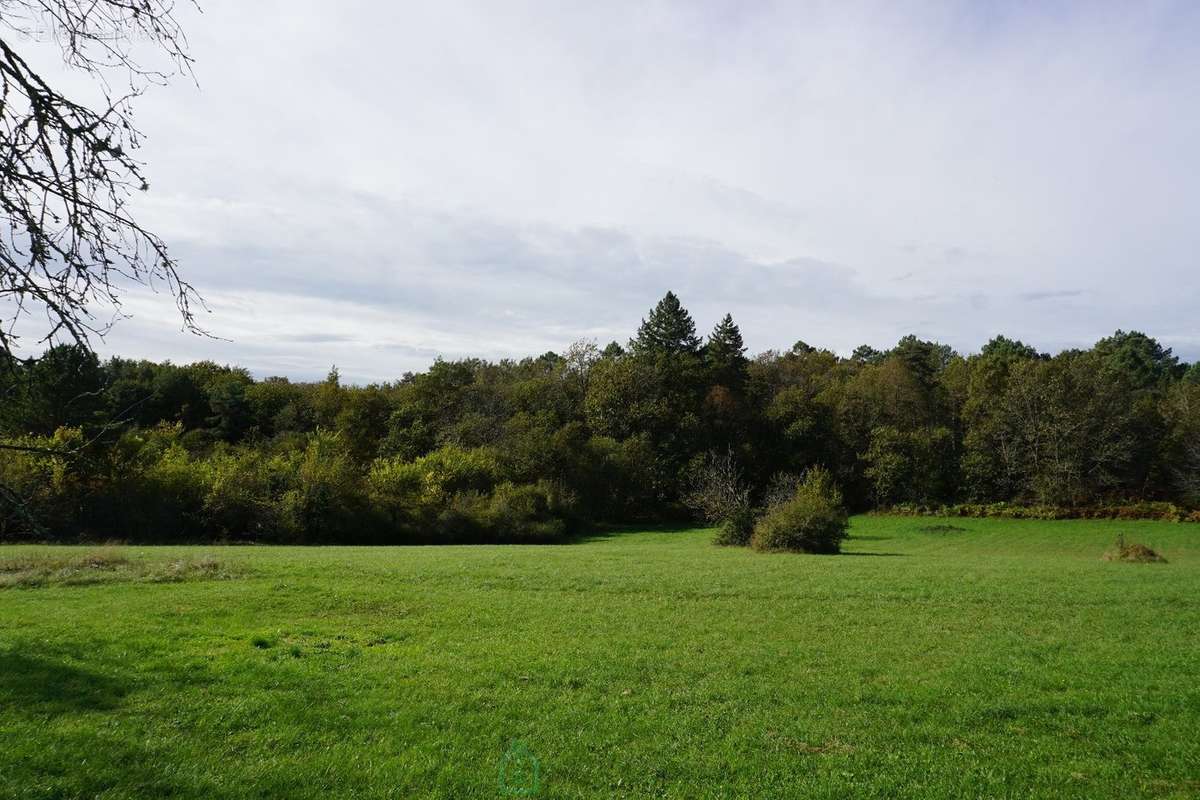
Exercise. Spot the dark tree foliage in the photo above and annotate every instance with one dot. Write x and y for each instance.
(1001, 347)
(1141, 359)
(925, 360)
(669, 330)
(865, 354)
(613, 350)
(471, 450)
(1181, 441)
(62, 388)
(725, 353)
(231, 417)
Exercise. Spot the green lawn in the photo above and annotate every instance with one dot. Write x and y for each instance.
(1004, 660)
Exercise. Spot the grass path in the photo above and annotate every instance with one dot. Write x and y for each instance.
(1002, 660)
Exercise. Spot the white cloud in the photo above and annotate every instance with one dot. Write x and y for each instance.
(481, 178)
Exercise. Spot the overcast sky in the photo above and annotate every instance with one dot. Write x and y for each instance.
(373, 184)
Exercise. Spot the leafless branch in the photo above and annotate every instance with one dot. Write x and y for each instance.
(67, 172)
(718, 489)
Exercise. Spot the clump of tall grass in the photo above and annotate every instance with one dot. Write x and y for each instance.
(103, 565)
(1133, 552)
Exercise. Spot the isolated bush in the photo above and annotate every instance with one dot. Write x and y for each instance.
(812, 521)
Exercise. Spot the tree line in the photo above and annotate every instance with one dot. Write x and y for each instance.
(531, 449)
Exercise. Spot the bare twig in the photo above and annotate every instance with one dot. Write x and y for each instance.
(67, 172)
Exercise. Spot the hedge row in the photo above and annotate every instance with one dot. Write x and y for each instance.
(149, 487)
(1150, 510)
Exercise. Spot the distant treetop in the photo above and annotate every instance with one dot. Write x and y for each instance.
(669, 330)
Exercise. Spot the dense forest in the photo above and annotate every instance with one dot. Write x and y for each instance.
(533, 450)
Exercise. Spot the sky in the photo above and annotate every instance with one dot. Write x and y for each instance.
(376, 184)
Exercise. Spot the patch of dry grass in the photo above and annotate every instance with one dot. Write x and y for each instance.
(941, 529)
(104, 565)
(1133, 553)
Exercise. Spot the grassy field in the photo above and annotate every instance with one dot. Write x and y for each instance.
(1005, 659)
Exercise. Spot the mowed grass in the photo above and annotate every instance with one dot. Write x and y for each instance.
(1003, 660)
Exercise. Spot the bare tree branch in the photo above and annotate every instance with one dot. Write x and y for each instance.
(67, 174)
(67, 171)
(718, 490)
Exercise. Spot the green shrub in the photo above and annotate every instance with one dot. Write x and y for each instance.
(450, 469)
(397, 488)
(736, 529)
(462, 520)
(513, 513)
(414, 497)
(434, 478)
(812, 521)
(32, 479)
(243, 497)
(166, 501)
(328, 502)
(451, 496)
(1156, 510)
(530, 512)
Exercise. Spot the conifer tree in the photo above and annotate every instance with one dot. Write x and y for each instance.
(865, 354)
(669, 330)
(612, 351)
(725, 352)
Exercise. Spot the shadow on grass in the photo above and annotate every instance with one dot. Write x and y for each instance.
(602, 533)
(856, 538)
(33, 684)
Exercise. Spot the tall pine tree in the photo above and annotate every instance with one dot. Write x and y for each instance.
(726, 353)
(669, 330)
